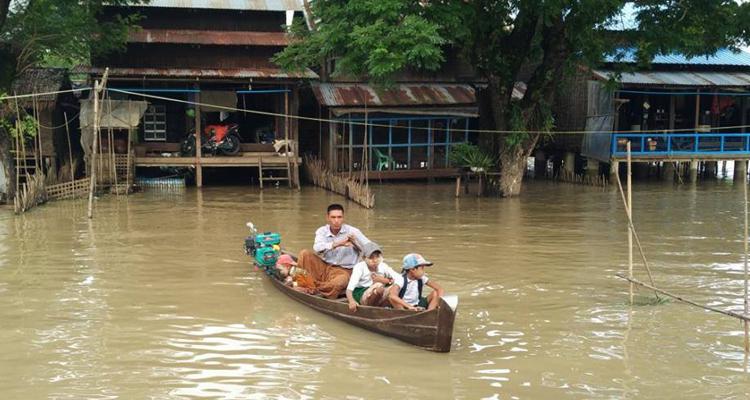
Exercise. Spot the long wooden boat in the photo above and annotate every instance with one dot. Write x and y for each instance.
(430, 330)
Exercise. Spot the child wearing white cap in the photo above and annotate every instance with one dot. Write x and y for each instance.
(406, 291)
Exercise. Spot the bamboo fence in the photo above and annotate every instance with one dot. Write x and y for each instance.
(30, 193)
(69, 190)
(348, 187)
(581, 179)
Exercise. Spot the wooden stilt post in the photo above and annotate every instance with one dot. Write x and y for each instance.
(630, 229)
(198, 139)
(70, 148)
(697, 108)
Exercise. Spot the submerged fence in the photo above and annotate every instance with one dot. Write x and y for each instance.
(346, 186)
(69, 190)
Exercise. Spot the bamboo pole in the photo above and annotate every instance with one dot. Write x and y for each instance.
(286, 138)
(747, 334)
(629, 207)
(92, 184)
(38, 136)
(635, 234)
(97, 88)
(684, 300)
(112, 156)
(130, 134)
(18, 145)
(198, 140)
(366, 150)
(70, 148)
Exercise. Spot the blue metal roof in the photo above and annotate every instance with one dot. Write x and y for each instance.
(725, 79)
(723, 57)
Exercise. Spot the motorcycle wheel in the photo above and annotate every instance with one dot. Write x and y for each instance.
(231, 145)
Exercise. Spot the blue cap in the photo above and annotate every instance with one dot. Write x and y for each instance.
(413, 260)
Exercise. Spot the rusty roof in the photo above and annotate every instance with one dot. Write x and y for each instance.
(416, 94)
(205, 73)
(188, 36)
(258, 5)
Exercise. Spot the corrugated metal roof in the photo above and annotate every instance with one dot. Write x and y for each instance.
(724, 57)
(240, 73)
(353, 94)
(680, 78)
(187, 36)
(466, 111)
(257, 5)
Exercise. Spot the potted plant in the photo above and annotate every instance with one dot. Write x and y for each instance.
(471, 157)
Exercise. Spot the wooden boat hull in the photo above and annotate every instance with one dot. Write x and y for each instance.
(430, 330)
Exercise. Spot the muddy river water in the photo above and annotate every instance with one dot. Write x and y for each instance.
(154, 298)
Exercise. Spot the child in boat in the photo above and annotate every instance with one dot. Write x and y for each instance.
(369, 278)
(406, 291)
(293, 275)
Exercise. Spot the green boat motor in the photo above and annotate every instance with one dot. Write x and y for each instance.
(265, 248)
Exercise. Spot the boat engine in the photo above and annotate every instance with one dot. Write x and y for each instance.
(265, 248)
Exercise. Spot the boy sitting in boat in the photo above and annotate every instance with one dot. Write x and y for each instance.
(369, 279)
(406, 291)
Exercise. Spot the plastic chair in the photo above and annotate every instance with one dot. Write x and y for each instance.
(384, 160)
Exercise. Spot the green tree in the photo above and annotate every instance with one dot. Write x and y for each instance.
(53, 33)
(503, 39)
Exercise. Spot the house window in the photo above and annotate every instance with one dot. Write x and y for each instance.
(398, 142)
(155, 123)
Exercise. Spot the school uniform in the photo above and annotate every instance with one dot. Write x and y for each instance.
(361, 278)
(410, 290)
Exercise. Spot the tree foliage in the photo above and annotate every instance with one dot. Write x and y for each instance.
(57, 32)
(506, 41)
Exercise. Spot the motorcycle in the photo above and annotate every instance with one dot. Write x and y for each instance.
(219, 138)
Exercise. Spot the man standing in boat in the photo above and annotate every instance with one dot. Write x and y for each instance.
(335, 251)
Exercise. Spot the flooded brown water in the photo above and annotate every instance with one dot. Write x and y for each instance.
(155, 299)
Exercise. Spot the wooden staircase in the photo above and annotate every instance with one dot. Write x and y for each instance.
(270, 178)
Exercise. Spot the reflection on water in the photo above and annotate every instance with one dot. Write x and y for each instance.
(155, 299)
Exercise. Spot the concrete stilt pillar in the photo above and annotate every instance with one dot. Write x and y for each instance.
(540, 164)
(740, 170)
(724, 169)
(614, 170)
(592, 167)
(668, 171)
(711, 169)
(569, 162)
(693, 171)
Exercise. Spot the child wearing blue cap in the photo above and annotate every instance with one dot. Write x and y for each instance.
(406, 291)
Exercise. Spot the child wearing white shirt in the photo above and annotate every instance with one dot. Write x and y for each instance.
(369, 279)
(406, 291)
